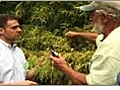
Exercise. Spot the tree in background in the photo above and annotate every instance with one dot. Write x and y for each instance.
(45, 23)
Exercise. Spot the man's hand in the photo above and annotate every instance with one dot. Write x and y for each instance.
(31, 74)
(71, 34)
(58, 62)
(26, 82)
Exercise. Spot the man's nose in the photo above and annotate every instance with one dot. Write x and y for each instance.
(19, 30)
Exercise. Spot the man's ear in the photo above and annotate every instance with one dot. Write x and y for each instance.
(104, 18)
(1, 30)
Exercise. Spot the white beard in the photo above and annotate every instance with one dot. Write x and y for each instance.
(98, 27)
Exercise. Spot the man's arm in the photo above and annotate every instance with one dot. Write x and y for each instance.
(31, 73)
(29, 76)
(87, 35)
(26, 82)
(76, 77)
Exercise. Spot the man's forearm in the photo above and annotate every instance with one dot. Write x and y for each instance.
(88, 36)
(76, 77)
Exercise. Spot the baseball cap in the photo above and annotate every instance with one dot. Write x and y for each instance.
(98, 5)
(89, 7)
(110, 7)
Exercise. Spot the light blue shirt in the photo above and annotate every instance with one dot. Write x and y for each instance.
(12, 63)
(105, 63)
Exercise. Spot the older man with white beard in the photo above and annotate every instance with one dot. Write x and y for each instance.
(105, 63)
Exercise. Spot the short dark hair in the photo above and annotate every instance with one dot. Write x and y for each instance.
(4, 18)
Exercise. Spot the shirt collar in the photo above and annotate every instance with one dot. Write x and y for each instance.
(8, 45)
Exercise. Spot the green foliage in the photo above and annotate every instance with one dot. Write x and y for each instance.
(7, 6)
(45, 23)
(52, 15)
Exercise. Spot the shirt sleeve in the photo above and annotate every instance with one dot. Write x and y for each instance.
(102, 71)
(105, 63)
(25, 64)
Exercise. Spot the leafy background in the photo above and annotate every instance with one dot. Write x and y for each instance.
(44, 23)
